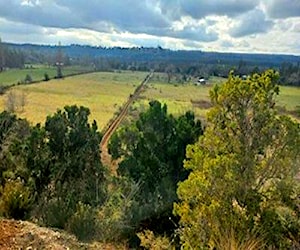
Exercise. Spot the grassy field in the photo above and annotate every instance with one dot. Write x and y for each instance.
(289, 97)
(102, 92)
(180, 97)
(15, 76)
(183, 97)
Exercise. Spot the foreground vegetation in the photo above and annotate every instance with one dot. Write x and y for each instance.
(236, 187)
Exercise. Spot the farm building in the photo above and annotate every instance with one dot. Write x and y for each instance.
(201, 81)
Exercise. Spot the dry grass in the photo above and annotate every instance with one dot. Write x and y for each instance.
(102, 92)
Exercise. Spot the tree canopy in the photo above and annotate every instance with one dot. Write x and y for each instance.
(152, 151)
(243, 170)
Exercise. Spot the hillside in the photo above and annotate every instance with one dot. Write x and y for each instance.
(27, 235)
(141, 54)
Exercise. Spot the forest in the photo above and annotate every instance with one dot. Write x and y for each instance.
(186, 63)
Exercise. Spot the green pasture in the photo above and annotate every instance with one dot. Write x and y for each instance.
(104, 93)
(180, 97)
(37, 72)
(289, 98)
(183, 97)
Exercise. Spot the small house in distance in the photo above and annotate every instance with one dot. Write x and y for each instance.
(201, 81)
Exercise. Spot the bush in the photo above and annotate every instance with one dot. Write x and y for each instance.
(152, 242)
(16, 200)
(114, 216)
(55, 212)
(46, 77)
(83, 222)
(28, 78)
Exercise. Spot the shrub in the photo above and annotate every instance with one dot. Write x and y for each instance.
(46, 77)
(55, 212)
(16, 200)
(152, 242)
(28, 78)
(83, 222)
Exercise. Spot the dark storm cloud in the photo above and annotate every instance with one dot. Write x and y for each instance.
(283, 8)
(250, 23)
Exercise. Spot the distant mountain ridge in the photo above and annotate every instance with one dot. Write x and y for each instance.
(142, 54)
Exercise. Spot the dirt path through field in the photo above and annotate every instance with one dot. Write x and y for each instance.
(105, 156)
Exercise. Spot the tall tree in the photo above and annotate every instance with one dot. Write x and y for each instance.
(2, 56)
(244, 167)
(152, 152)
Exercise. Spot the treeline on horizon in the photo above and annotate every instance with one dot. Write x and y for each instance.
(181, 62)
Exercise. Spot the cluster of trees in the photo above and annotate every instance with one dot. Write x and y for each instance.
(53, 173)
(233, 185)
(10, 58)
(49, 172)
(152, 151)
(290, 74)
(239, 187)
(243, 187)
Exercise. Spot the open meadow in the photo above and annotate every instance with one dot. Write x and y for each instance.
(103, 93)
(183, 97)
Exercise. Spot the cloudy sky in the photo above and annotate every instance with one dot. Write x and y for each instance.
(269, 26)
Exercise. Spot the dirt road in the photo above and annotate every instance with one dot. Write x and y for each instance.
(105, 157)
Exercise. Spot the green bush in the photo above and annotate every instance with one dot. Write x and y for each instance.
(152, 242)
(114, 217)
(16, 200)
(55, 212)
(83, 222)
(28, 79)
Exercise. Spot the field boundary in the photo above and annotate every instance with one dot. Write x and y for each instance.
(4, 88)
(111, 128)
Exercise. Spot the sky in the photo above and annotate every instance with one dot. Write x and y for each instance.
(251, 26)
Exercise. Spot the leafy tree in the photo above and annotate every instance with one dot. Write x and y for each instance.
(7, 120)
(243, 170)
(2, 56)
(75, 154)
(59, 165)
(152, 151)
